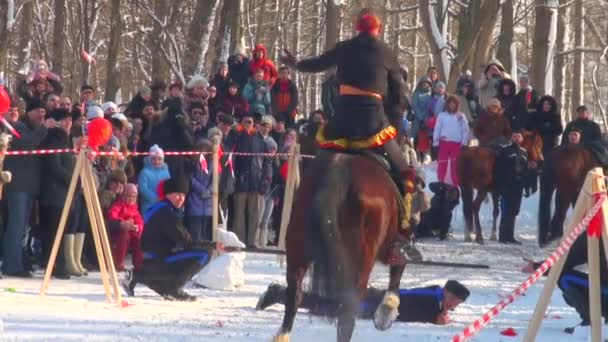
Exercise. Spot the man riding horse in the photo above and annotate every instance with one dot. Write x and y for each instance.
(371, 101)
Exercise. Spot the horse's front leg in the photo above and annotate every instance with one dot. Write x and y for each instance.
(481, 196)
(293, 295)
(495, 212)
(388, 310)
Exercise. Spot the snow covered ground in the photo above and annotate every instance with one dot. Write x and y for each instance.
(76, 310)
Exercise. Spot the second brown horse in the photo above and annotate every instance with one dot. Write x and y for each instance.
(475, 167)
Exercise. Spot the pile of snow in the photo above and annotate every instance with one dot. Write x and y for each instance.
(225, 272)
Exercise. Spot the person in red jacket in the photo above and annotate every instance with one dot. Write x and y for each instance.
(129, 227)
(234, 103)
(260, 61)
(284, 97)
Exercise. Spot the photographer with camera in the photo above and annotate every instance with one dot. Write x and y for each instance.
(488, 84)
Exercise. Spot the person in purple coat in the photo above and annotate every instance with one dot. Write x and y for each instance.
(199, 201)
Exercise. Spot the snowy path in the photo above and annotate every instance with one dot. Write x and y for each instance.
(75, 310)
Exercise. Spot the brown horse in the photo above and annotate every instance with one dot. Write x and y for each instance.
(345, 218)
(564, 173)
(475, 168)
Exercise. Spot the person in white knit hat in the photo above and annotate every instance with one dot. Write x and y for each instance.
(155, 170)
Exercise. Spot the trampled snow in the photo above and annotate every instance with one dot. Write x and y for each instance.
(76, 310)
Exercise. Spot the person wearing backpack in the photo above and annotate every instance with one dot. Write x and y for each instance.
(512, 177)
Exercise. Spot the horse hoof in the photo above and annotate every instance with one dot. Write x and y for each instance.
(387, 312)
(281, 338)
(493, 237)
(479, 239)
(467, 237)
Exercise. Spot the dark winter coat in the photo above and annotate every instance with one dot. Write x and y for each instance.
(329, 95)
(221, 84)
(514, 108)
(236, 105)
(239, 72)
(547, 124)
(136, 107)
(530, 98)
(27, 91)
(590, 131)
(198, 202)
(284, 99)
(253, 174)
(511, 168)
(58, 169)
(164, 231)
(173, 132)
(367, 63)
(26, 170)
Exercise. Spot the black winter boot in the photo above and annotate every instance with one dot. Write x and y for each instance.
(275, 294)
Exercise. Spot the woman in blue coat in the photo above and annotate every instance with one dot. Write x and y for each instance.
(155, 170)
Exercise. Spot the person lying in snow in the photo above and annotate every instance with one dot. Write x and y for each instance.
(170, 257)
(575, 284)
(426, 304)
(436, 221)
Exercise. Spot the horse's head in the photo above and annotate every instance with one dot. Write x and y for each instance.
(533, 144)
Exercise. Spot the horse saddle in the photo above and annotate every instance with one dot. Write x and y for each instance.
(384, 163)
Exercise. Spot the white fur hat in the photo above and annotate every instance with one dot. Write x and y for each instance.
(198, 81)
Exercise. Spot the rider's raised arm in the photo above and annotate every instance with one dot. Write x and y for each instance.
(319, 63)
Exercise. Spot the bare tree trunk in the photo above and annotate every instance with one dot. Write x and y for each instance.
(199, 32)
(578, 95)
(545, 31)
(259, 35)
(559, 77)
(25, 37)
(228, 38)
(436, 39)
(160, 67)
(479, 18)
(58, 36)
(112, 73)
(295, 44)
(506, 35)
(6, 27)
(332, 24)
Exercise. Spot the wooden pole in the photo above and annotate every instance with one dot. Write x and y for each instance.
(583, 203)
(62, 221)
(96, 235)
(593, 259)
(103, 234)
(290, 186)
(215, 189)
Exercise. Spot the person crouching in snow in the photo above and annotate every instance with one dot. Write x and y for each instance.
(170, 257)
(430, 304)
(127, 230)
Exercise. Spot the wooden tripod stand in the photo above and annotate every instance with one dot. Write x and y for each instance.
(594, 184)
(84, 171)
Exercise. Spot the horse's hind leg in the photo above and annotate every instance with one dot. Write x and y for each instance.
(559, 216)
(466, 193)
(346, 325)
(388, 310)
(495, 212)
(481, 196)
(293, 295)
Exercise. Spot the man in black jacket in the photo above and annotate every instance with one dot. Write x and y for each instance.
(25, 185)
(170, 258)
(238, 68)
(253, 177)
(589, 130)
(575, 284)
(426, 305)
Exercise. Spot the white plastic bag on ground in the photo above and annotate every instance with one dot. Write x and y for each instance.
(226, 271)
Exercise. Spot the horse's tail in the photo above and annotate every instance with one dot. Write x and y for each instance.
(547, 187)
(331, 271)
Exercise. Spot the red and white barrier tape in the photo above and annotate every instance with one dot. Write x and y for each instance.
(139, 154)
(551, 260)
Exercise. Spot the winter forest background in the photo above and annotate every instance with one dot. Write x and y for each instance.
(562, 45)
